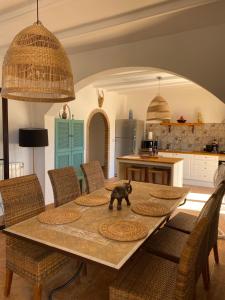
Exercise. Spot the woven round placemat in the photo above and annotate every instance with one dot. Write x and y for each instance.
(166, 193)
(59, 216)
(91, 200)
(151, 209)
(122, 230)
(112, 185)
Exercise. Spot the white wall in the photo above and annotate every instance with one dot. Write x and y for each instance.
(86, 101)
(186, 100)
(97, 139)
(22, 115)
(19, 117)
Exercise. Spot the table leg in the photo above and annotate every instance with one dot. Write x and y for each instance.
(65, 284)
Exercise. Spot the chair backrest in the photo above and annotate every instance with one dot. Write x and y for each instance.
(22, 198)
(93, 175)
(65, 185)
(211, 210)
(192, 260)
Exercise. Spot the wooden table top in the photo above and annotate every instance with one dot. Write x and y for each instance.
(157, 159)
(82, 238)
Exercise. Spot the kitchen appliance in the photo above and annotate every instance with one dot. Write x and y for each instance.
(208, 148)
(150, 147)
(128, 137)
(214, 147)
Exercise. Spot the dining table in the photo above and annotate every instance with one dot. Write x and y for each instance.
(82, 238)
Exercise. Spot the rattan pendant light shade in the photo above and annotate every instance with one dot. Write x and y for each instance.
(36, 68)
(158, 109)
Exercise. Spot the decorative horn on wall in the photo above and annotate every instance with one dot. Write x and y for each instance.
(100, 98)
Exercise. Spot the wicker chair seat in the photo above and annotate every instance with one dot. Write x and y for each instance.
(148, 277)
(182, 222)
(167, 243)
(33, 262)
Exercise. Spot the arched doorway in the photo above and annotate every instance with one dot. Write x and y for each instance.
(98, 139)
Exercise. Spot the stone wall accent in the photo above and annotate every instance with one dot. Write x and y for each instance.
(182, 137)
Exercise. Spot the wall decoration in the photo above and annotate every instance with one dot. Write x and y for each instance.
(63, 114)
(200, 117)
(100, 98)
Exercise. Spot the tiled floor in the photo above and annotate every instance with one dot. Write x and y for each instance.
(94, 286)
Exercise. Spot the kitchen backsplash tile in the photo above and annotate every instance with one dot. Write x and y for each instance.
(182, 137)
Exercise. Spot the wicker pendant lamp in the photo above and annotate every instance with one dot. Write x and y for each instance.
(36, 67)
(158, 109)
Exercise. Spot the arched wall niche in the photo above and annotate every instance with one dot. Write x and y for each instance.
(106, 138)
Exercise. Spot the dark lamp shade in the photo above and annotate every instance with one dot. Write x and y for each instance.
(33, 137)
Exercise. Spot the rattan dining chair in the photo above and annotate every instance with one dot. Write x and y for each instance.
(93, 175)
(168, 242)
(151, 277)
(185, 222)
(22, 199)
(65, 185)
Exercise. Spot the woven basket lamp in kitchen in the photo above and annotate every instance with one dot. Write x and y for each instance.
(36, 68)
(158, 109)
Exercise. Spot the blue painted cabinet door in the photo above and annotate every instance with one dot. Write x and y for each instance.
(69, 144)
(62, 143)
(77, 155)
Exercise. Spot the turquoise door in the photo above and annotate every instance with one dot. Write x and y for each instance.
(69, 144)
(77, 155)
(62, 143)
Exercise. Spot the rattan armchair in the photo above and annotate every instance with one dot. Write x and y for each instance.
(151, 277)
(65, 185)
(93, 175)
(168, 242)
(22, 199)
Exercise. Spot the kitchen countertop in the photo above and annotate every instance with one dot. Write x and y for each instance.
(158, 159)
(221, 156)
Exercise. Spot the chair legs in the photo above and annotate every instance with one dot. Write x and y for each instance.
(8, 282)
(216, 253)
(37, 290)
(206, 276)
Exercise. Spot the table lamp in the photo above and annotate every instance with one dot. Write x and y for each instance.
(33, 137)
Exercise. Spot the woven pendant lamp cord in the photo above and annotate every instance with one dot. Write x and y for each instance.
(37, 12)
(159, 87)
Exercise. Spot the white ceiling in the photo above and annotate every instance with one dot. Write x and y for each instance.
(88, 24)
(125, 81)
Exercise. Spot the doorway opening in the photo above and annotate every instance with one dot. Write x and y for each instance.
(98, 139)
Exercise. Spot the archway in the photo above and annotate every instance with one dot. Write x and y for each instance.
(97, 139)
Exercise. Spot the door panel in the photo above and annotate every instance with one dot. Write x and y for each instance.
(63, 160)
(62, 133)
(69, 144)
(77, 132)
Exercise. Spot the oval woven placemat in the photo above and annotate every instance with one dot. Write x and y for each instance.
(122, 230)
(151, 209)
(59, 216)
(111, 186)
(166, 193)
(91, 200)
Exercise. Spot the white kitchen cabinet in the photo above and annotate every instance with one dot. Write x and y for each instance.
(186, 162)
(197, 169)
(203, 168)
